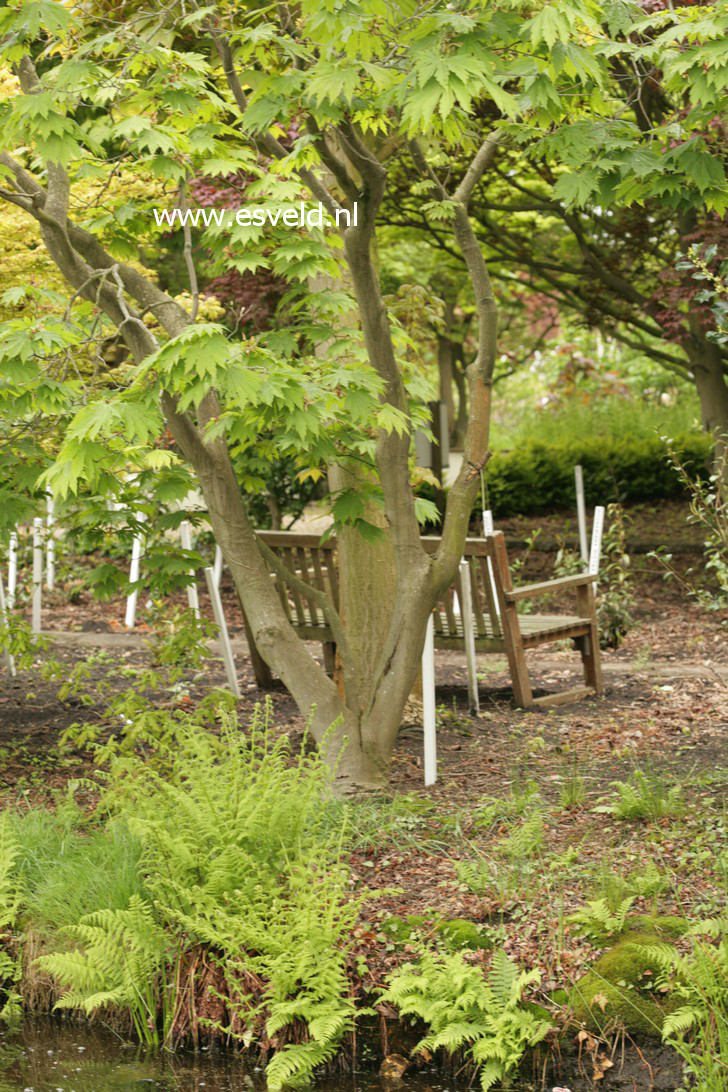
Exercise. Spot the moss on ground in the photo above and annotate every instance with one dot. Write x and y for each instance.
(620, 986)
(664, 926)
(460, 933)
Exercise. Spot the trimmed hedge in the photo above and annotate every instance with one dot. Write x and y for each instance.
(538, 477)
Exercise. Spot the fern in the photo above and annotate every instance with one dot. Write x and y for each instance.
(526, 840)
(513, 861)
(239, 855)
(465, 1010)
(123, 954)
(698, 1029)
(710, 927)
(10, 885)
(598, 921)
(10, 899)
(644, 797)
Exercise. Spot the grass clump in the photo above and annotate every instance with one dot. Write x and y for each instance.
(65, 872)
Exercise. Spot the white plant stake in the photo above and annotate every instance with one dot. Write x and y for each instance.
(596, 542)
(9, 658)
(131, 599)
(488, 529)
(225, 645)
(581, 514)
(185, 537)
(50, 544)
(428, 703)
(469, 635)
(217, 566)
(37, 573)
(12, 568)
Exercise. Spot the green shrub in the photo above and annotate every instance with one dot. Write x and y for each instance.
(539, 477)
(709, 511)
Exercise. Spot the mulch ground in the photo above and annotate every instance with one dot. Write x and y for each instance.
(665, 710)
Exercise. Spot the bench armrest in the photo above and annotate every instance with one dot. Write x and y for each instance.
(527, 590)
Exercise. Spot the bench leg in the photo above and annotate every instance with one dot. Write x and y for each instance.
(511, 627)
(590, 658)
(516, 654)
(261, 671)
(589, 646)
(329, 650)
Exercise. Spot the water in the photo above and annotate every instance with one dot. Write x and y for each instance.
(52, 1055)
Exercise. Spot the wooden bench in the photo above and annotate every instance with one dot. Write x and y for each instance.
(499, 628)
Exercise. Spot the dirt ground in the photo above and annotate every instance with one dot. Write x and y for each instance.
(665, 710)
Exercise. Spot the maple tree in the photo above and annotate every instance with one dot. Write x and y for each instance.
(323, 103)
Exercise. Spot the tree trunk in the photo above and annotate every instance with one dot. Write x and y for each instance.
(367, 587)
(358, 764)
(461, 420)
(710, 382)
(445, 350)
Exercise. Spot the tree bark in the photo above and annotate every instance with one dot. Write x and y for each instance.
(367, 588)
(710, 382)
(445, 355)
(461, 420)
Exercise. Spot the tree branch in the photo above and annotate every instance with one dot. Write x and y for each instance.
(266, 140)
(187, 252)
(483, 159)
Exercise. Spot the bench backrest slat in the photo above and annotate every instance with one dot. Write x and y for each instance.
(305, 575)
(315, 562)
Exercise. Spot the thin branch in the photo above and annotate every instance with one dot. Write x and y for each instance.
(187, 251)
(481, 161)
(266, 140)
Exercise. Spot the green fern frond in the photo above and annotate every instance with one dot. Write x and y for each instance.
(10, 883)
(464, 1009)
(709, 927)
(680, 1021)
(596, 918)
(502, 977)
(294, 1065)
(489, 1075)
